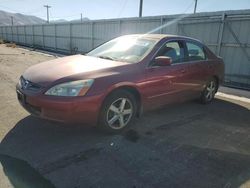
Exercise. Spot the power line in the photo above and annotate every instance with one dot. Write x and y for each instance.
(38, 10)
(123, 6)
(47, 6)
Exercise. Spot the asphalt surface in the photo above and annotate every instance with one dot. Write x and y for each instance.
(183, 145)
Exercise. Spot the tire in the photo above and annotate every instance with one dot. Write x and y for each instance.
(209, 91)
(118, 111)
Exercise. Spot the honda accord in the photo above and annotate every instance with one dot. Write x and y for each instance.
(121, 79)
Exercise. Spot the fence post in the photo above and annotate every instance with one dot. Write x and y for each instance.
(92, 35)
(2, 32)
(55, 38)
(178, 29)
(43, 36)
(12, 33)
(6, 33)
(33, 36)
(221, 33)
(161, 25)
(120, 27)
(70, 38)
(25, 40)
(17, 33)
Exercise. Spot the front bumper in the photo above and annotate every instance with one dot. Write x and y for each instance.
(62, 109)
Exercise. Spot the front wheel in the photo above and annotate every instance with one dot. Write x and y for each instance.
(118, 111)
(209, 92)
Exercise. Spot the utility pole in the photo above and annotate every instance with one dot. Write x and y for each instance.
(12, 20)
(47, 6)
(81, 17)
(140, 8)
(195, 6)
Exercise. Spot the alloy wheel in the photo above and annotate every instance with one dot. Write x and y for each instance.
(210, 90)
(119, 113)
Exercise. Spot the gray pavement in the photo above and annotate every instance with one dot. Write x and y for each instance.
(182, 145)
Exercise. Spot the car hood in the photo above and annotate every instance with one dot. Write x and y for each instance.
(50, 71)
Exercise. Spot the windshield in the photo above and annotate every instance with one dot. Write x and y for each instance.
(128, 49)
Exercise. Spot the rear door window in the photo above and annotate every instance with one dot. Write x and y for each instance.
(195, 52)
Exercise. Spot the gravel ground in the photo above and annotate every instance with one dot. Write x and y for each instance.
(184, 145)
(13, 62)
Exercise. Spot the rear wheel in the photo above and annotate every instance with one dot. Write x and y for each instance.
(118, 111)
(209, 92)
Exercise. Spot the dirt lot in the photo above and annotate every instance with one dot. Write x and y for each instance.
(186, 145)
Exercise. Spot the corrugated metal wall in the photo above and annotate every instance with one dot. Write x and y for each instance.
(226, 33)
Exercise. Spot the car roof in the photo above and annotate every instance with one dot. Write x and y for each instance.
(162, 36)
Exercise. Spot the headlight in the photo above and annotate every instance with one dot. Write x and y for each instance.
(70, 89)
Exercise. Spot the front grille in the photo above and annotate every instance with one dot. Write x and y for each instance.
(28, 85)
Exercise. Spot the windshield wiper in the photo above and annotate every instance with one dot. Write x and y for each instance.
(106, 57)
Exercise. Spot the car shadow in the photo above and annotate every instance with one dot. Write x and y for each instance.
(177, 146)
(22, 175)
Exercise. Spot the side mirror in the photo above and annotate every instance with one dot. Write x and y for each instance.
(163, 61)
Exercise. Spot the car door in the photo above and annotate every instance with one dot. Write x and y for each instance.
(167, 84)
(198, 66)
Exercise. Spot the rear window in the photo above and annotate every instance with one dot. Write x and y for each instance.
(195, 52)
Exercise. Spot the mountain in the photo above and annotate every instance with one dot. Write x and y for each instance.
(18, 19)
(72, 21)
(58, 21)
(79, 20)
(21, 19)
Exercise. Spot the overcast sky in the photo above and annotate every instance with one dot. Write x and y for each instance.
(103, 9)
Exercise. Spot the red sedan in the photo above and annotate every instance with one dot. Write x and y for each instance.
(117, 81)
